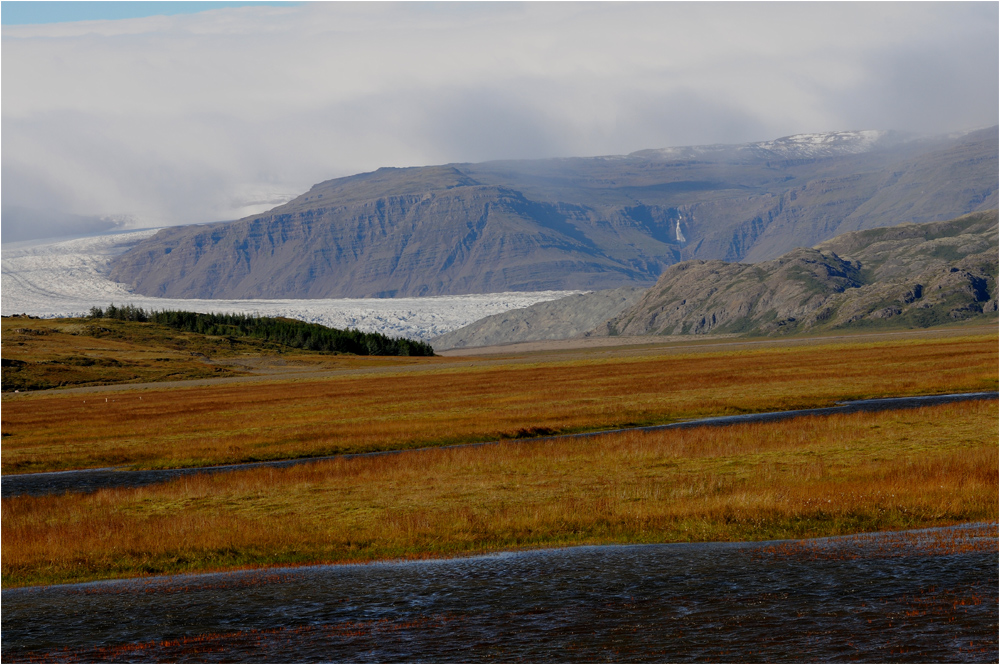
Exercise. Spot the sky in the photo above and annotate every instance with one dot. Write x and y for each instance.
(63, 11)
(200, 113)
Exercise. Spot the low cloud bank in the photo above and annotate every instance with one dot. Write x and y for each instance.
(221, 114)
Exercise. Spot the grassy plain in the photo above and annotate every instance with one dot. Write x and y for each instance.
(808, 477)
(439, 401)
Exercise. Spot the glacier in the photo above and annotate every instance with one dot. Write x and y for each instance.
(66, 277)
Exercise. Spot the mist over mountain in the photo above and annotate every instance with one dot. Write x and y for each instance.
(31, 224)
(579, 223)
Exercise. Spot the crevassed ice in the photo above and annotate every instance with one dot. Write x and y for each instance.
(68, 277)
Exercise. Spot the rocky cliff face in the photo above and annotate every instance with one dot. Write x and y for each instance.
(592, 223)
(912, 275)
(470, 239)
(556, 319)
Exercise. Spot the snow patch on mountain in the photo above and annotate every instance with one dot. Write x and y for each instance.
(822, 145)
(68, 277)
(797, 146)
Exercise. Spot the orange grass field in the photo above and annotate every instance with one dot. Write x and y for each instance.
(812, 476)
(478, 401)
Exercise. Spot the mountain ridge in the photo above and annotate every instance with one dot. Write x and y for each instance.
(570, 224)
(911, 275)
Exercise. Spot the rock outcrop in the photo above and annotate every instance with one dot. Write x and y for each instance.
(556, 319)
(912, 275)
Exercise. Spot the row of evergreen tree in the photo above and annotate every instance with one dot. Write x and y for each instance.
(297, 334)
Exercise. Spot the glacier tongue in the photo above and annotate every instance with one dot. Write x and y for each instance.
(68, 277)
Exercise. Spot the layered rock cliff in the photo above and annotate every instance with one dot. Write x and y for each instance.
(592, 223)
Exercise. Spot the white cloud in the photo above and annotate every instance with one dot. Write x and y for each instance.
(194, 118)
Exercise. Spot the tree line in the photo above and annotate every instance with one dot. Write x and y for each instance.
(289, 332)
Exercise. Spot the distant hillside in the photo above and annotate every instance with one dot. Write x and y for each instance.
(555, 319)
(278, 330)
(572, 224)
(120, 345)
(912, 275)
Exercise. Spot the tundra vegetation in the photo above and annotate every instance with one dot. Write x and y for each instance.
(802, 478)
(40, 354)
(281, 331)
(434, 403)
(813, 476)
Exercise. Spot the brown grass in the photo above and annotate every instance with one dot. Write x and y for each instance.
(50, 353)
(796, 479)
(431, 406)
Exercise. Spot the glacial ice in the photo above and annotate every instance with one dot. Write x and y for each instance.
(67, 277)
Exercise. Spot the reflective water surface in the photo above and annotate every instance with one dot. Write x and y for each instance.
(927, 595)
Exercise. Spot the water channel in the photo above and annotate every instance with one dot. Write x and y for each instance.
(89, 480)
(918, 596)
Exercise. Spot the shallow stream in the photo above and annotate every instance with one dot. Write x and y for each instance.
(90, 480)
(928, 595)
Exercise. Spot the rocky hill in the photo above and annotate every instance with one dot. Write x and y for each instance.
(912, 275)
(566, 317)
(567, 224)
